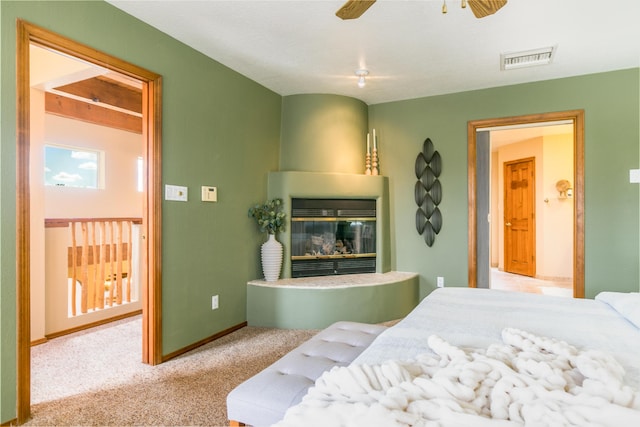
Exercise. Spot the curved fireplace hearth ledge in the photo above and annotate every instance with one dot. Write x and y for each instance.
(317, 302)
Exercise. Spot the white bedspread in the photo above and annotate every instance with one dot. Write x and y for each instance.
(475, 318)
(524, 380)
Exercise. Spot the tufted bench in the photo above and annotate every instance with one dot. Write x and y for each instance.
(264, 398)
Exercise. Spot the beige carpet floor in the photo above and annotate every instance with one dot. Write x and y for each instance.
(95, 378)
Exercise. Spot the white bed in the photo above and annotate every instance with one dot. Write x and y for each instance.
(468, 325)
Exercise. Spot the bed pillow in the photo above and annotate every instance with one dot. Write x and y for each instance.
(627, 304)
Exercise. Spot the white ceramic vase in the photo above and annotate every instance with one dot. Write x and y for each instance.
(271, 253)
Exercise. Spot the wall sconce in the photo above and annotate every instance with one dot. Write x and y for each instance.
(564, 189)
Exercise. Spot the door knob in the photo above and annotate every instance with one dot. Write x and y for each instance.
(508, 224)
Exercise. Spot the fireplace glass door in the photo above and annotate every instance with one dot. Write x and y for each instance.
(332, 237)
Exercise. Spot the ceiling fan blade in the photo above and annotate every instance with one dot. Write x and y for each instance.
(352, 9)
(482, 8)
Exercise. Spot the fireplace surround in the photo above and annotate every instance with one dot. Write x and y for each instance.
(290, 185)
(318, 301)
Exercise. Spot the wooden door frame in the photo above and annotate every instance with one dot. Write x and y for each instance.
(577, 118)
(28, 33)
(532, 226)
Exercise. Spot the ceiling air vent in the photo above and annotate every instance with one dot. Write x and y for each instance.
(529, 58)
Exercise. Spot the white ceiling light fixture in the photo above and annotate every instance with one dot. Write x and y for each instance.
(361, 77)
(528, 58)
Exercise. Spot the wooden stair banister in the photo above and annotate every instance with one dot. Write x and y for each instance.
(102, 257)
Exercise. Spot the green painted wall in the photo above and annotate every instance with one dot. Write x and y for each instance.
(7, 237)
(213, 248)
(207, 248)
(323, 133)
(611, 105)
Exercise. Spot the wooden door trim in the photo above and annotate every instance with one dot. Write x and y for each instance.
(28, 33)
(532, 226)
(577, 118)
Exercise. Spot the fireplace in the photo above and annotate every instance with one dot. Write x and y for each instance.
(332, 236)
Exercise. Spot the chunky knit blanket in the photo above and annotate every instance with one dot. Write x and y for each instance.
(525, 380)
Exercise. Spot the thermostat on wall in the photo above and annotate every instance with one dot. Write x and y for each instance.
(209, 194)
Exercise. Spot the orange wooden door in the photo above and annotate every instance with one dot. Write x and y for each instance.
(519, 217)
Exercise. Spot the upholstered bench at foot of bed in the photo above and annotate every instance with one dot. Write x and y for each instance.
(263, 399)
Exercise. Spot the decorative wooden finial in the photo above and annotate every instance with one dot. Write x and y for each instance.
(374, 162)
(367, 163)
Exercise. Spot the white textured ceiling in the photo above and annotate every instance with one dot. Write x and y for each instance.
(409, 47)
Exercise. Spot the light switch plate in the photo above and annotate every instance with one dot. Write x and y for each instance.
(634, 176)
(209, 194)
(176, 192)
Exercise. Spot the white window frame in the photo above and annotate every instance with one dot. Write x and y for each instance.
(100, 166)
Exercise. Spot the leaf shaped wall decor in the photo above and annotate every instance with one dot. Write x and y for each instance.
(428, 192)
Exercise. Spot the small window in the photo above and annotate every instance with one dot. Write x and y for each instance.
(72, 167)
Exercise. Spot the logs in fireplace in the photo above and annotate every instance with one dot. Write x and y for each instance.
(332, 236)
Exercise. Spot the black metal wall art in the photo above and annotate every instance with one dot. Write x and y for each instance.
(428, 192)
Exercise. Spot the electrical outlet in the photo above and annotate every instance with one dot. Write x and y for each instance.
(440, 282)
(214, 302)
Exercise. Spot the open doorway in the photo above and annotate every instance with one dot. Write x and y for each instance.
(150, 248)
(479, 159)
(530, 220)
(86, 139)
(86, 216)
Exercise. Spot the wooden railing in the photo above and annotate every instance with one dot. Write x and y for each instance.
(99, 261)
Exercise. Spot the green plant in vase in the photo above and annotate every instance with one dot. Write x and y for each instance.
(270, 217)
